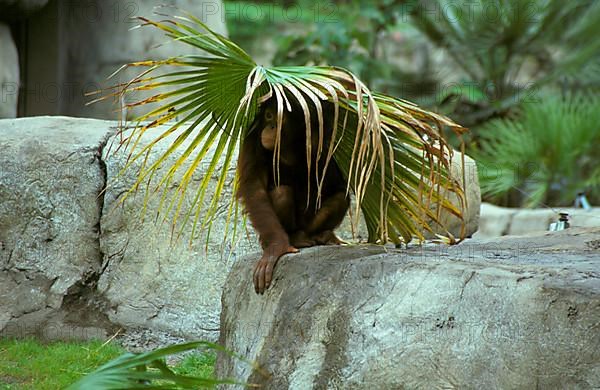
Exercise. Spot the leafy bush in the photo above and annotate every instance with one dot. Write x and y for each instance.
(507, 50)
(544, 155)
(357, 35)
(498, 54)
(346, 35)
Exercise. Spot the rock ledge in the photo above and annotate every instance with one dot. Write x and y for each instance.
(520, 312)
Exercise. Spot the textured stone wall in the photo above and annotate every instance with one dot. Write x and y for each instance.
(77, 263)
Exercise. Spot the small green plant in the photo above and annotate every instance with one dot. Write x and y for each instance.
(149, 370)
(546, 154)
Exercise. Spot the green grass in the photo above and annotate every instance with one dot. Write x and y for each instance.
(30, 364)
(199, 365)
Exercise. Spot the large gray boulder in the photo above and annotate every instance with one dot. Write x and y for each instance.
(519, 312)
(9, 74)
(51, 176)
(75, 262)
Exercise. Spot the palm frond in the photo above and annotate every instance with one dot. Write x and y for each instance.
(148, 370)
(392, 153)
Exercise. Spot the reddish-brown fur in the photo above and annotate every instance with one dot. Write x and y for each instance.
(283, 214)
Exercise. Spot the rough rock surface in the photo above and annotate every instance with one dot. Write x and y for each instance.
(75, 262)
(152, 279)
(9, 74)
(501, 221)
(520, 312)
(51, 176)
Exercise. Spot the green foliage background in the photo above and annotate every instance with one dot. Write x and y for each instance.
(499, 60)
(545, 154)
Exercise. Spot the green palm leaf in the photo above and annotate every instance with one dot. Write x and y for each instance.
(148, 370)
(391, 152)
